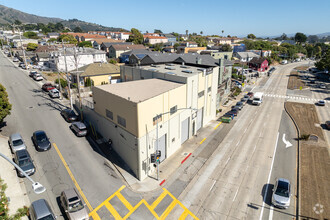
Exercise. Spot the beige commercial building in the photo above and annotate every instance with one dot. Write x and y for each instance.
(181, 98)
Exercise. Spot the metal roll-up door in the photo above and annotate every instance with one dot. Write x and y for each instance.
(184, 130)
(199, 119)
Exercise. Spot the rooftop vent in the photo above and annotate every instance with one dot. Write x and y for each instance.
(169, 64)
(184, 66)
(154, 65)
(187, 71)
(171, 73)
(169, 68)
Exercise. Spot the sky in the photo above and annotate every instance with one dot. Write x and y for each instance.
(235, 18)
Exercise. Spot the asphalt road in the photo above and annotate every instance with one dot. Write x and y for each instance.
(236, 181)
(34, 110)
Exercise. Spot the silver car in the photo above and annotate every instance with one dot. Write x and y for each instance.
(16, 143)
(23, 159)
(79, 129)
(73, 205)
(40, 210)
(281, 193)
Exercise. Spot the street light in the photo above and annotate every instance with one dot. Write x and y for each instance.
(37, 187)
(157, 150)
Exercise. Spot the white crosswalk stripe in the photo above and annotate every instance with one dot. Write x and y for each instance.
(294, 97)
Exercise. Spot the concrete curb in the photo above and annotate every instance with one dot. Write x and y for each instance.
(298, 164)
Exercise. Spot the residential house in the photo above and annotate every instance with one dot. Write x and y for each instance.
(119, 35)
(85, 56)
(105, 46)
(116, 50)
(262, 53)
(155, 40)
(136, 54)
(170, 37)
(98, 73)
(53, 35)
(20, 41)
(245, 56)
(259, 64)
(301, 56)
(96, 42)
(84, 36)
(239, 48)
(184, 49)
(292, 42)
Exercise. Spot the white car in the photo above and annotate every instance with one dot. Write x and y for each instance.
(15, 59)
(281, 193)
(37, 77)
(323, 86)
(54, 93)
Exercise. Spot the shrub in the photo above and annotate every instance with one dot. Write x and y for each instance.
(64, 83)
(304, 137)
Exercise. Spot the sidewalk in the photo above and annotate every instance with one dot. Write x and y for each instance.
(169, 168)
(15, 191)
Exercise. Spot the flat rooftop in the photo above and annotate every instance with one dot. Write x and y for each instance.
(174, 69)
(140, 90)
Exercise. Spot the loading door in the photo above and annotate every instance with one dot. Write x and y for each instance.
(185, 130)
(199, 118)
(161, 147)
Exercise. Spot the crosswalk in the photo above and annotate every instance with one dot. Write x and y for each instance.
(301, 98)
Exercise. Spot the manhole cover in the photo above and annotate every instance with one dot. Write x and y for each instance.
(50, 166)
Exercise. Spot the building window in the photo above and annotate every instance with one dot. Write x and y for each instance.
(157, 119)
(209, 89)
(200, 94)
(109, 114)
(173, 109)
(121, 121)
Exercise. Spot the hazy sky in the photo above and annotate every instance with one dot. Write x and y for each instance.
(239, 17)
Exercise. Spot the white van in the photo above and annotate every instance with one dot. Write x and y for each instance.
(257, 98)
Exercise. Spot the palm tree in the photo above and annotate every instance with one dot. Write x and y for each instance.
(201, 32)
(187, 32)
(222, 31)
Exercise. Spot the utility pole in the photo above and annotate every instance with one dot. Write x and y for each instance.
(78, 80)
(20, 37)
(58, 75)
(67, 76)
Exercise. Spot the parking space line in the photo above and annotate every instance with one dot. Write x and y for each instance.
(112, 210)
(169, 209)
(202, 141)
(124, 201)
(72, 177)
(158, 200)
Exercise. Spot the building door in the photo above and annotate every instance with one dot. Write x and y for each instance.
(161, 147)
(199, 118)
(185, 130)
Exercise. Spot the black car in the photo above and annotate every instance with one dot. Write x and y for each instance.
(23, 160)
(234, 111)
(41, 141)
(69, 115)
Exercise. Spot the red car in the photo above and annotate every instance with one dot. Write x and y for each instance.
(47, 87)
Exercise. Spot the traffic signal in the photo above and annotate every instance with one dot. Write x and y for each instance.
(152, 158)
(158, 153)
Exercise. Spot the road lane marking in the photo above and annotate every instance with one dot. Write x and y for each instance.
(245, 130)
(202, 141)
(217, 125)
(72, 177)
(271, 212)
(270, 173)
(235, 195)
(238, 143)
(212, 185)
(227, 161)
(287, 143)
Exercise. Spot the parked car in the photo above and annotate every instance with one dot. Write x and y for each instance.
(281, 193)
(79, 129)
(250, 94)
(9, 55)
(245, 98)
(323, 86)
(73, 205)
(37, 77)
(69, 115)
(239, 105)
(16, 59)
(40, 210)
(20, 64)
(41, 141)
(321, 103)
(23, 159)
(233, 111)
(32, 73)
(54, 93)
(327, 124)
(228, 114)
(16, 142)
(47, 87)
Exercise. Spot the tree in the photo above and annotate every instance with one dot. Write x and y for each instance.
(31, 46)
(67, 39)
(5, 106)
(157, 31)
(201, 32)
(226, 48)
(300, 38)
(324, 63)
(284, 37)
(176, 45)
(158, 47)
(64, 83)
(89, 82)
(85, 44)
(187, 32)
(222, 31)
(136, 37)
(17, 22)
(251, 36)
(77, 30)
(30, 34)
(313, 39)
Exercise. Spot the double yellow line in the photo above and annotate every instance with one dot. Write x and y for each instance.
(72, 177)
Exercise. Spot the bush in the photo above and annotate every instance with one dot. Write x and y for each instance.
(64, 83)
(304, 137)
